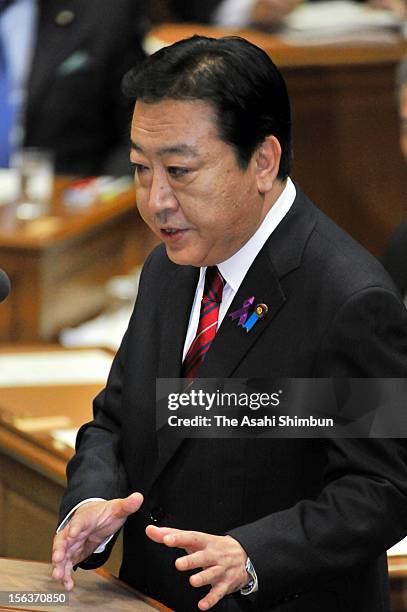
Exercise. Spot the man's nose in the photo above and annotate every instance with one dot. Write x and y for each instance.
(161, 196)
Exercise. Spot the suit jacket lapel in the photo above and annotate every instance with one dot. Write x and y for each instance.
(176, 312)
(232, 342)
(280, 255)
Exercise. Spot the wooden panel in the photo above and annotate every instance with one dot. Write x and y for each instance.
(22, 307)
(75, 272)
(346, 147)
(59, 265)
(29, 504)
(29, 528)
(29, 510)
(32, 467)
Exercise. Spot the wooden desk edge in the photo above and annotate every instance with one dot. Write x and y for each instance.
(25, 447)
(397, 569)
(70, 221)
(20, 446)
(102, 572)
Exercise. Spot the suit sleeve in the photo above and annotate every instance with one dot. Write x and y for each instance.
(96, 469)
(361, 510)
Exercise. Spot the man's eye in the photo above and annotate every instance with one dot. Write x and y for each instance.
(139, 168)
(177, 171)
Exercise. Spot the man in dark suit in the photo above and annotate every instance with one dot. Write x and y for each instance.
(72, 103)
(288, 525)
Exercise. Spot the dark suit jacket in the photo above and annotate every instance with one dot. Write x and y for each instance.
(315, 516)
(394, 258)
(74, 102)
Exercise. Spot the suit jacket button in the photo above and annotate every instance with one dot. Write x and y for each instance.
(157, 514)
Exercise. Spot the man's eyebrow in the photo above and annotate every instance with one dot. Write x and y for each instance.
(177, 149)
(180, 149)
(135, 146)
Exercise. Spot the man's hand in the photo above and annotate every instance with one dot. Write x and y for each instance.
(221, 558)
(89, 526)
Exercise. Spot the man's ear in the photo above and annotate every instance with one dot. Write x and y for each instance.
(267, 157)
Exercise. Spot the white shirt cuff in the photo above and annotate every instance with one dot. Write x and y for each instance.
(65, 521)
(253, 584)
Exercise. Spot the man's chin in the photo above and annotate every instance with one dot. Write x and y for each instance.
(181, 257)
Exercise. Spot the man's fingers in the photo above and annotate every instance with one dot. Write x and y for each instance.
(207, 576)
(62, 564)
(157, 534)
(58, 549)
(187, 539)
(58, 572)
(59, 554)
(128, 505)
(212, 598)
(193, 561)
(82, 534)
(178, 538)
(67, 580)
(65, 549)
(80, 524)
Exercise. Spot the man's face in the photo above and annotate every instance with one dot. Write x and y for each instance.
(190, 190)
(403, 119)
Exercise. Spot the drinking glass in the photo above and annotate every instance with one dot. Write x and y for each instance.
(35, 169)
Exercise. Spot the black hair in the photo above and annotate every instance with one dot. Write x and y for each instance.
(238, 79)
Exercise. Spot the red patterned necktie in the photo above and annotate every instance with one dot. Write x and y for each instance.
(208, 321)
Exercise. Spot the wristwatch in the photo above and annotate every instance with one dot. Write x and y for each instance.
(252, 585)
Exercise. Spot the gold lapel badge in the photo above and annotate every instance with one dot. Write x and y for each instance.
(260, 311)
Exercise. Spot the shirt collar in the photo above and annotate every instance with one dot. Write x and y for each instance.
(235, 268)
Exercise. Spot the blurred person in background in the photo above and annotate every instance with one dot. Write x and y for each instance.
(394, 256)
(61, 65)
(265, 14)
